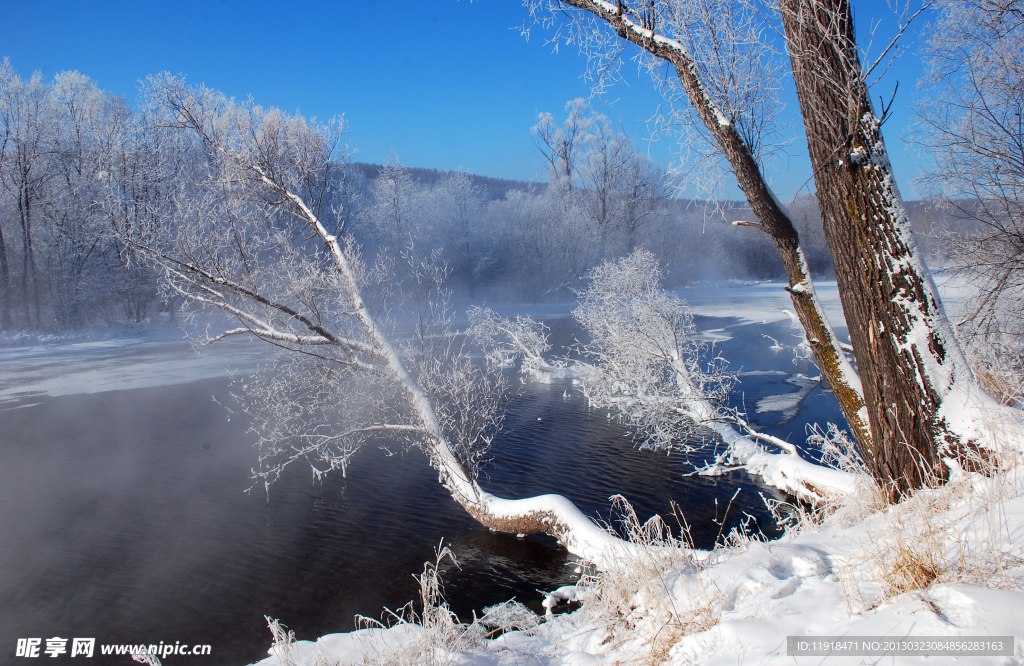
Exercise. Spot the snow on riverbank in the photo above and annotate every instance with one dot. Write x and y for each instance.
(36, 365)
(766, 301)
(947, 563)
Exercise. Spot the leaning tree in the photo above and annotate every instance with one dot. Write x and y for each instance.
(723, 76)
(248, 233)
(916, 391)
(923, 401)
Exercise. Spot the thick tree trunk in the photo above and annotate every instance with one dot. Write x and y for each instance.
(836, 370)
(908, 357)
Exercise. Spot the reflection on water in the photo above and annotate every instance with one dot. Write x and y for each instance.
(124, 515)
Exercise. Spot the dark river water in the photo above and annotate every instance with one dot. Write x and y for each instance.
(124, 516)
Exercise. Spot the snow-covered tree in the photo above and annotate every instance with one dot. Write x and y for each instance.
(237, 244)
(461, 204)
(643, 363)
(599, 169)
(970, 120)
(88, 127)
(559, 145)
(918, 394)
(393, 213)
(24, 174)
(923, 401)
(551, 237)
(723, 82)
(59, 138)
(644, 359)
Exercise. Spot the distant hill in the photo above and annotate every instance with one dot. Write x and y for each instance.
(494, 188)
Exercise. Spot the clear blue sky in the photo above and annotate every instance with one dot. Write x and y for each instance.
(446, 84)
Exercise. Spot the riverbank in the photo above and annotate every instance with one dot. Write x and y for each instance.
(948, 563)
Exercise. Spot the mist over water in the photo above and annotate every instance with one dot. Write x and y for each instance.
(125, 518)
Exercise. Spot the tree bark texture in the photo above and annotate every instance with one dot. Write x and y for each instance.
(906, 352)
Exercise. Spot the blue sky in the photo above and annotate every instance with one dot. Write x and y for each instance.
(446, 84)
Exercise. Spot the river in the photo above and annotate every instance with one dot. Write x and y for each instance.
(125, 513)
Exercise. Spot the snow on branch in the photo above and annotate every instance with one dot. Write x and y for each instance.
(646, 365)
(245, 236)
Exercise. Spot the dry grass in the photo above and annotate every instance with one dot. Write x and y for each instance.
(953, 532)
(437, 639)
(835, 511)
(910, 556)
(652, 597)
(1006, 388)
(949, 532)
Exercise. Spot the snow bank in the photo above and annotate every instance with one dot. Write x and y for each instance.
(744, 602)
(351, 648)
(791, 473)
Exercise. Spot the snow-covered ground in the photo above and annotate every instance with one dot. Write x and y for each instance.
(945, 566)
(110, 359)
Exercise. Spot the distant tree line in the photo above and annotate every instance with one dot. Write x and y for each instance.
(77, 163)
(61, 265)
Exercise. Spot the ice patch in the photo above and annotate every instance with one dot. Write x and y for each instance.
(788, 403)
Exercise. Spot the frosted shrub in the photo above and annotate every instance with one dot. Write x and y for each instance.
(838, 451)
(284, 640)
(506, 341)
(509, 616)
(421, 633)
(997, 357)
(644, 359)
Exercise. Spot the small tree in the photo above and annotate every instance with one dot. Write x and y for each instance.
(393, 212)
(461, 203)
(600, 170)
(644, 359)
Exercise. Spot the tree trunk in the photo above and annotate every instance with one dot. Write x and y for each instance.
(5, 285)
(28, 260)
(908, 357)
(836, 370)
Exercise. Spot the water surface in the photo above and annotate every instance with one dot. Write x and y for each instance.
(124, 513)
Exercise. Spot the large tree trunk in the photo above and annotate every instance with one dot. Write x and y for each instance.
(835, 368)
(908, 357)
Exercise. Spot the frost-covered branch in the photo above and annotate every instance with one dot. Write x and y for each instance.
(726, 73)
(646, 365)
(240, 241)
(507, 340)
(643, 356)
